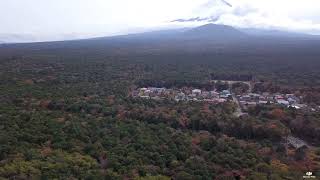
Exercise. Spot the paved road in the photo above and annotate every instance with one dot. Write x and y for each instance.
(238, 111)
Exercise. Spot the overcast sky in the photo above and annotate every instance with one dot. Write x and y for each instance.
(58, 19)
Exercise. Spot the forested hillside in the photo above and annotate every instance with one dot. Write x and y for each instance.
(66, 111)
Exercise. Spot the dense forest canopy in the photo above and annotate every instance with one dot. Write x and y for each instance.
(66, 110)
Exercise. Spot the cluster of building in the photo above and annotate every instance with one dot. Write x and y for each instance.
(184, 94)
(252, 99)
(244, 100)
(295, 142)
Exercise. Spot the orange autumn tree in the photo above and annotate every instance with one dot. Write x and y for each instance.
(278, 113)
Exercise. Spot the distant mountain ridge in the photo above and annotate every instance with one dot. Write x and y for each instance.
(214, 31)
(274, 33)
(208, 32)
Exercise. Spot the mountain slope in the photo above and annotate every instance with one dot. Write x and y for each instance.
(209, 32)
(215, 31)
(275, 33)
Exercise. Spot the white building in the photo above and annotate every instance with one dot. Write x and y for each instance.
(196, 91)
(263, 102)
(283, 102)
(180, 97)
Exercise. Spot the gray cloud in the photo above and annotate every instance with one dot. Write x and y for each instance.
(273, 14)
(244, 10)
(211, 3)
(198, 19)
(195, 19)
(210, 10)
(226, 3)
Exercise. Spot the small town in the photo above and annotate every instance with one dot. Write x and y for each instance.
(244, 100)
(287, 100)
(185, 94)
